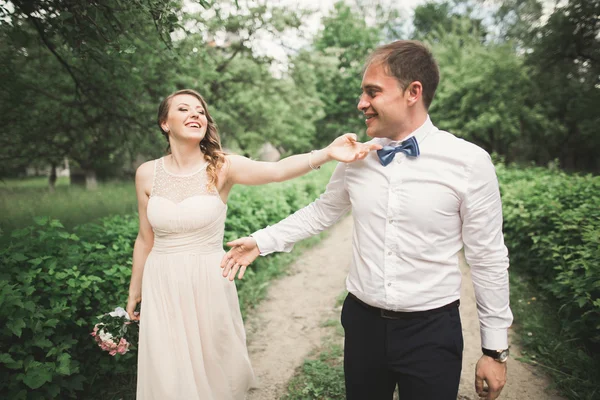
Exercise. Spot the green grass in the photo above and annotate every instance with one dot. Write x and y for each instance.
(322, 375)
(573, 370)
(38, 182)
(21, 200)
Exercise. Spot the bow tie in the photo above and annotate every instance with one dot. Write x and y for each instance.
(410, 147)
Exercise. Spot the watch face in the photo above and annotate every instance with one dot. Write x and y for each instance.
(503, 356)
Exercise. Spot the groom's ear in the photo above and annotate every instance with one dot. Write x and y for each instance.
(413, 93)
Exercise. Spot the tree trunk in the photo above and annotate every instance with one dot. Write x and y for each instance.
(52, 178)
(91, 183)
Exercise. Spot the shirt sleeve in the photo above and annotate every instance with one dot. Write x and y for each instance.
(310, 220)
(485, 252)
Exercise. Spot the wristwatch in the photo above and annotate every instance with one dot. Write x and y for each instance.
(498, 355)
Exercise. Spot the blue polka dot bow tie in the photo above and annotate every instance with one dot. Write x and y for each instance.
(410, 147)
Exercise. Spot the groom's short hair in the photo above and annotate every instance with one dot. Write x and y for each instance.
(409, 61)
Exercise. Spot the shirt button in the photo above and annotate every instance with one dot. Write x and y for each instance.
(389, 253)
(389, 284)
(391, 221)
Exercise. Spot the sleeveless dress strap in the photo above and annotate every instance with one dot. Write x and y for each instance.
(154, 178)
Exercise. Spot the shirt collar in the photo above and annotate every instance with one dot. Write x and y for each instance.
(420, 133)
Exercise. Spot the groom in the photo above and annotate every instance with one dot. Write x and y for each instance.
(415, 204)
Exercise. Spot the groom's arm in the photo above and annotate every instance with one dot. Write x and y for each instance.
(310, 220)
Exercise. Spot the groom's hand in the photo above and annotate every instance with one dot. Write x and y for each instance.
(243, 252)
(491, 372)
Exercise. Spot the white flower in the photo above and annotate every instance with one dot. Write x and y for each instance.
(104, 336)
(119, 312)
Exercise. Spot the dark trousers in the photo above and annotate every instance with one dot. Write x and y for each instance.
(422, 354)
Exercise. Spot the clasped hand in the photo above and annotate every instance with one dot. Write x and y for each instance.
(345, 148)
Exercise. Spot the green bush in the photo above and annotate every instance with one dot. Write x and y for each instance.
(552, 230)
(54, 282)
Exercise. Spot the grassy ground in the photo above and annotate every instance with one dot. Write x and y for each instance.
(21, 200)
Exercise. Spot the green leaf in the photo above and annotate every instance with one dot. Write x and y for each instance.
(36, 261)
(19, 257)
(51, 322)
(36, 375)
(16, 326)
(41, 221)
(64, 364)
(42, 343)
(6, 358)
(19, 233)
(56, 224)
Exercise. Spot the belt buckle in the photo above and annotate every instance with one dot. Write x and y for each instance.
(384, 314)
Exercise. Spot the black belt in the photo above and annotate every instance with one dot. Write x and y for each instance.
(389, 314)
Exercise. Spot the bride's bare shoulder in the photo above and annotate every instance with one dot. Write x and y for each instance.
(144, 174)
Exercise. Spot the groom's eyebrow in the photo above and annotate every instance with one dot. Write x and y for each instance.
(371, 87)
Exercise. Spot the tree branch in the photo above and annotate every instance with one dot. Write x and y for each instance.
(50, 47)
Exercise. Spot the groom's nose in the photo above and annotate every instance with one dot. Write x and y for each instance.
(363, 105)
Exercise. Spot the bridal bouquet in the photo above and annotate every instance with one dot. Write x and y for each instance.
(115, 332)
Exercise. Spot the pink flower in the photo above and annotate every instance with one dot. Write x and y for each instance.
(123, 346)
(113, 352)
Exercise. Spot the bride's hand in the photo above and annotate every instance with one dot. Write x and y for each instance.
(346, 148)
(132, 303)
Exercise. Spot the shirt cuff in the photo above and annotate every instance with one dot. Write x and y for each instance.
(262, 241)
(267, 244)
(494, 339)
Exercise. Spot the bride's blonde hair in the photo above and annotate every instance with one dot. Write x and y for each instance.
(210, 144)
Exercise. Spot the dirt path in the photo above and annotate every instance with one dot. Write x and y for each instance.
(288, 324)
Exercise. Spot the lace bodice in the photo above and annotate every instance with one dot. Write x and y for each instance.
(184, 212)
(177, 187)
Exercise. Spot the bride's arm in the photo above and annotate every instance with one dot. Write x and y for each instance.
(242, 170)
(145, 238)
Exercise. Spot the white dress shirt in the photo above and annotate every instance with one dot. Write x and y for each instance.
(411, 219)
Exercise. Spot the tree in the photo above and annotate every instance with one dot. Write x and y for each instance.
(434, 19)
(68, 78)
(563, 54)
(486, 96)
(340, 49)
(89, 77)
(251, 105)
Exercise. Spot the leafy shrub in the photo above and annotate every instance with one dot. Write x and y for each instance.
(552, 230)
